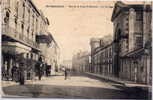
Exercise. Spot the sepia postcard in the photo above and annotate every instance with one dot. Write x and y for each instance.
(76, 49)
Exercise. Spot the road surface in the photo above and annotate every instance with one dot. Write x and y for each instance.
(74, 87)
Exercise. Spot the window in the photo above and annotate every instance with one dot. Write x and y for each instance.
(31, 56)
(110, 52)
(22, 26)
(142, 68)
(6, 19)
(23, 4)
(139, 41)
(16, 7)
(139, 16)
(27, 55)
(15, 20)
(29, 16)
(28, 29)
(32, 35)
(23, 10)
(7, 14)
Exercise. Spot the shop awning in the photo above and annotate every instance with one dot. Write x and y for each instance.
(14, 48)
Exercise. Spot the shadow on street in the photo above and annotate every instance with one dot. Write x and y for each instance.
(78, 92)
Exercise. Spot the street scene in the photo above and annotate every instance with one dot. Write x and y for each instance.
(76, 49)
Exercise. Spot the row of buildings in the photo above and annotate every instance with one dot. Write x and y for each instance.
(25, 35)
(128, 56)
(81, 61)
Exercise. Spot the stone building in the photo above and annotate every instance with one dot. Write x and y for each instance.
(132, 42)
(22, 21)
(81, 62)
(67, 64)
(102, 56)
(94, 43)
(103, 60)
(49, 50)
(53, 56)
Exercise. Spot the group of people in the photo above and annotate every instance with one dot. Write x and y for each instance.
(18, 72)
(42, 69)
(15, 73)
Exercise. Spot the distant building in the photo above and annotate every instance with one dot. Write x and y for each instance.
(81, 62)
(67, 64)
(102, 60)
(94, 43)
(50, 51)
(101, 56)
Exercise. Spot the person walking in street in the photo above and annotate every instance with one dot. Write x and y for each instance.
(65, 73)
(3, 73)
(21, 73)
(13, 70)
(40, 71)
(39, 67)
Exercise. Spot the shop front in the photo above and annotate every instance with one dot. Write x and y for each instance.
(13, 54)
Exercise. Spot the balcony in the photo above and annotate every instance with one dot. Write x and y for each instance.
(44, 38)
(16, 36)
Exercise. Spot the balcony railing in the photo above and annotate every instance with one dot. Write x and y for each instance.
(12, 33)
(44, 39)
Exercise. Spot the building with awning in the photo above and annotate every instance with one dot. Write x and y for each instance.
(21, 24)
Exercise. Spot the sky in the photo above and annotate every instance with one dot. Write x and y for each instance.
(73, 27)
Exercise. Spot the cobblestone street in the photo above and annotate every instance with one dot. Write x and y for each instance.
(73, 87)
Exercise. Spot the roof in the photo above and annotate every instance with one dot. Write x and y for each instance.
(120, 7)
(102, 48)
(37, 10)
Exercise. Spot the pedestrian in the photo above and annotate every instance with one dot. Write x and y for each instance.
(65, 73)
(17, 75)
(40, 71)
(13, 70)
(3, 73)
(39, 67)
(21, 73)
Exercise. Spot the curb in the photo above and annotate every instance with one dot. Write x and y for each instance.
(118, 82)
(106, 79)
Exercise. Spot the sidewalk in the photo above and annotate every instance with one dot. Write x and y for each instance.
(123, 82)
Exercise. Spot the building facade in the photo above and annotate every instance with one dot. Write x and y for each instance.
(22, 22)
(50, 51)
(94, 43)
(129, 56)
(102, 57)
(81, 62)
(53, 56)
(132, 42)
(67, 64)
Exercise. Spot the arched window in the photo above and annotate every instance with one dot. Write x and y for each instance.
(7, 14)
(6, 19)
